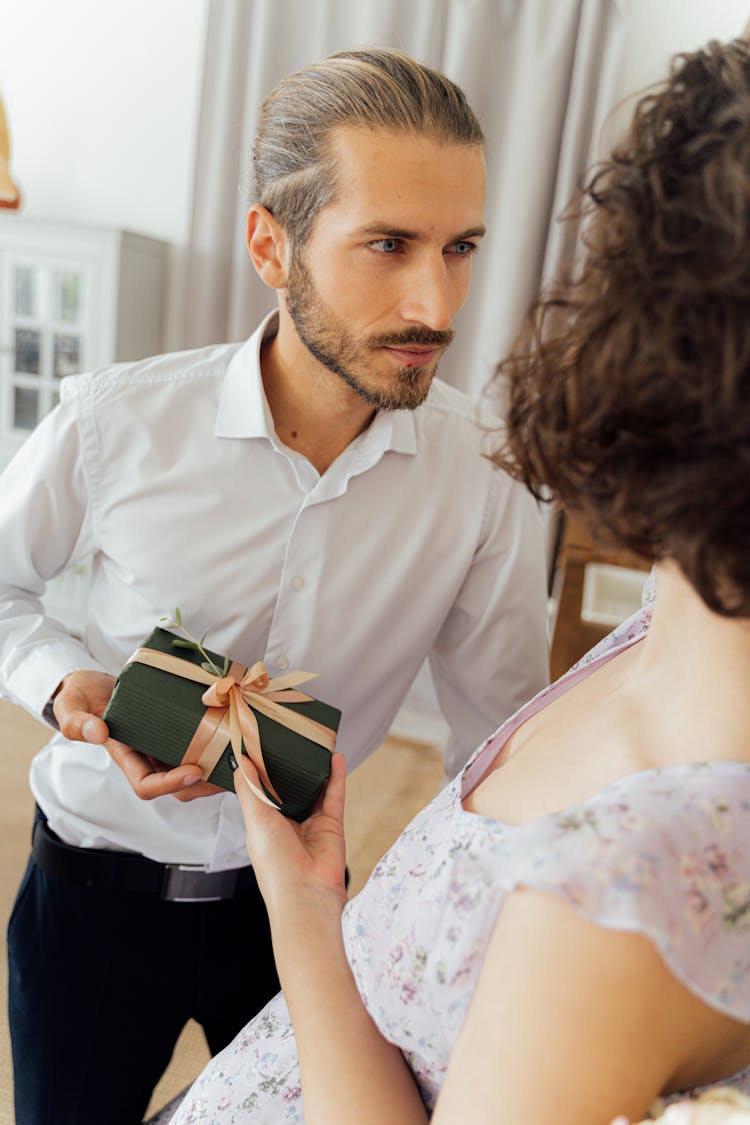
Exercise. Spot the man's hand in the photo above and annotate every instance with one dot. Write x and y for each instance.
(79, 704)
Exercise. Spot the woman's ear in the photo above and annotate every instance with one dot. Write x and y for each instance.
(267, 245)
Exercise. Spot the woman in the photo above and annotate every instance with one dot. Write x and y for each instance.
(564, 933)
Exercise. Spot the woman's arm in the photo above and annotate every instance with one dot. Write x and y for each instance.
(574, 1024)
(349, 1071)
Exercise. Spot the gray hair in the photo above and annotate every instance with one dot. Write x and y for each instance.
(378, 88)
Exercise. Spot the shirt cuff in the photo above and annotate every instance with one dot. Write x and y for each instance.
(34, 681)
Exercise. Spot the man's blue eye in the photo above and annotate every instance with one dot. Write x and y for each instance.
(463, 249)
(387, 245)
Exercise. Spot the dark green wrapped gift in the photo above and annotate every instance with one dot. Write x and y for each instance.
(157, 712)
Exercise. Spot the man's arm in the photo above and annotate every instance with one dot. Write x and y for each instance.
(491, 655)
(45, 526)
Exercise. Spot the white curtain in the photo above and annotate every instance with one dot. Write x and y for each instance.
(539, 73)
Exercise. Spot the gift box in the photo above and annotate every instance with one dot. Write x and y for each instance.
(159, 712)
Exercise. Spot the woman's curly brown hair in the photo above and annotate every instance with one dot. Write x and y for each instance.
(629, 390)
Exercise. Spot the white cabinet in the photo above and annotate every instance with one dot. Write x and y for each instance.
(72, 298)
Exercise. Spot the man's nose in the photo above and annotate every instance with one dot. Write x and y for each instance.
(430, 299)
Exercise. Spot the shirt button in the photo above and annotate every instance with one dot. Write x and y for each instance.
(297, 583)
(282, 663)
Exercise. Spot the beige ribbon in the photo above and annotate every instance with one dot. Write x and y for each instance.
(229, 717)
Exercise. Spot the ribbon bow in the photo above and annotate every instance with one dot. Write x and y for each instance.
(236, 695)
(229, 718)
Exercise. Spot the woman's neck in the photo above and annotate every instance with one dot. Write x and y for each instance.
(694, 669)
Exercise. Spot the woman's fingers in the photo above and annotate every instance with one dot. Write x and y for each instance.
(335, 791)
(330, 803)
(253, 806)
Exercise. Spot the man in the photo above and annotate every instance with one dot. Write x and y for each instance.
(314, 499)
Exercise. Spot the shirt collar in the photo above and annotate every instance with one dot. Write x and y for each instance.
(390, 430)
(244, 411)
(243, 407)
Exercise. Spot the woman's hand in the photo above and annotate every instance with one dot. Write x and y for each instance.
(349, 1071)
(300, 860)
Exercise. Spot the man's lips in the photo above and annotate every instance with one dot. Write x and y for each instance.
(413, 356)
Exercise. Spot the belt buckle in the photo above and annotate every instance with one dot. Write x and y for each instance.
(185, 882)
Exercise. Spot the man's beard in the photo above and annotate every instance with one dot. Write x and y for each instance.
(327, 339)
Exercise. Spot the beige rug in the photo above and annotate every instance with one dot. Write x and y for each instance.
(382, 796)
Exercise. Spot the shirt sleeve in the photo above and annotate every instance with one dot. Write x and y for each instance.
(491, 655)
(45, 527)
(665, 854)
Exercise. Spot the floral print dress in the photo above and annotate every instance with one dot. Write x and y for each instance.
(662, 852)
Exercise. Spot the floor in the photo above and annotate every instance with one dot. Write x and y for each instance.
(382, 796)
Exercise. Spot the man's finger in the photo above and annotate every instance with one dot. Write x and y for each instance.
(199, 789)
(81, 726)
(146, 782)
(191, 791)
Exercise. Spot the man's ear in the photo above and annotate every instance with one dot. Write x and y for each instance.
(268, 246)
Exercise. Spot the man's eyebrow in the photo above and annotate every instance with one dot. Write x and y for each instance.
(474, 232)
(384, 230)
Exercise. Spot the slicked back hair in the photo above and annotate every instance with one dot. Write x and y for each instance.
(294, 169)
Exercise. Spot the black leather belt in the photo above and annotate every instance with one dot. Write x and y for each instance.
(126, 871)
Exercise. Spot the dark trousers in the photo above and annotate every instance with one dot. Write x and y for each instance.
(101, 984)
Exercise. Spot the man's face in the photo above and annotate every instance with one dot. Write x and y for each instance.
(387, 266)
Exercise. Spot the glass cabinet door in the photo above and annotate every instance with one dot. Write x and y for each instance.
(47, 334)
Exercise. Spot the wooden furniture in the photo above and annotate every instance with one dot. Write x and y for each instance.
(573, 636)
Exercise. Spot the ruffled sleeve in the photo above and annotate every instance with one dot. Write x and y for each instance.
(665, 853)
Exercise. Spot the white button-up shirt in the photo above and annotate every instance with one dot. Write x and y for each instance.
(170, 475)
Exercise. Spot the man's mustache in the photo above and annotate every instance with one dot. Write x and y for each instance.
(421, 337)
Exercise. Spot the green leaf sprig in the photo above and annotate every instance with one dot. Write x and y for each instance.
(195, 645)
